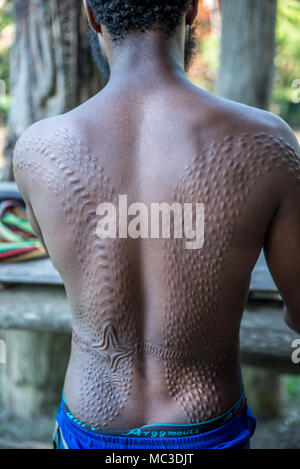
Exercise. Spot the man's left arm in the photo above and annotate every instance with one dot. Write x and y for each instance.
(22, 177)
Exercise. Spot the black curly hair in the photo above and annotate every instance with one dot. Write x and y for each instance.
(124, 16)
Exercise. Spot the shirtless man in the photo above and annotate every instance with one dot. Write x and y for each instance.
(155, 352)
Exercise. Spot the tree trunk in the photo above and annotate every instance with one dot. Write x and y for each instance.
(247, 53)
(51, 66)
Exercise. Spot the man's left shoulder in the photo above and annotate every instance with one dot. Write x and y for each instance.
(30, 143)
(32, 150)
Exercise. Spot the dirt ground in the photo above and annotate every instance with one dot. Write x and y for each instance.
(280, 433)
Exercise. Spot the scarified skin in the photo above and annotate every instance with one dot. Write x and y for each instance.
(104, 388)
(107, 335)
(229, 170)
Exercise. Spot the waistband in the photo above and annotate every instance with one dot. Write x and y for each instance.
(234, 434)
(164, 430)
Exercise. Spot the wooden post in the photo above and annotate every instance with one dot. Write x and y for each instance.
(32, 379)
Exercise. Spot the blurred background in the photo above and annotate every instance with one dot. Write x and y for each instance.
(248, 51)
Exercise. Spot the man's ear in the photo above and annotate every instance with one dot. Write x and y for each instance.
(91, 17)
(192, 12)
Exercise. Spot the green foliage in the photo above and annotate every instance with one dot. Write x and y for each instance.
(6, 19)
(4, 104)
(208, 52)
(6, 13)
(292, 386)
(287, 60)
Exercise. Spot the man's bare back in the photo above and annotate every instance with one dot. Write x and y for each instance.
(156, 326)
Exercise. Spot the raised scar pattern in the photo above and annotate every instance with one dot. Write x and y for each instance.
(191, 380)
(110, 349)
(101, 397)
(222, 176)
(111, 346)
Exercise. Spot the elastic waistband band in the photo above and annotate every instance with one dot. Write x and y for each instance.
(164, 430)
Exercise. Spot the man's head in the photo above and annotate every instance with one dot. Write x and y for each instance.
(122, 18)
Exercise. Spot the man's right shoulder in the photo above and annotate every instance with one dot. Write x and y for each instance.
(260, 141)
(243, 119)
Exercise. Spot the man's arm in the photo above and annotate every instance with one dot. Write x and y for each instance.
(282, 242)
(20, 158)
